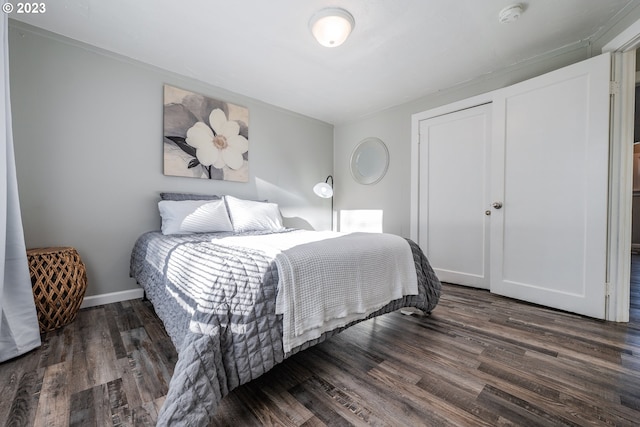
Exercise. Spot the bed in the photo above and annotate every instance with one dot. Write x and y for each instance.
(239, 300)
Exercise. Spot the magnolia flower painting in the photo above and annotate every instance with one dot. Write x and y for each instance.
(204, 137)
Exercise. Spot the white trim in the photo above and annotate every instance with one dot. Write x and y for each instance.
(111, 297)
(622, 124)
(414, 185)
(620, 182)
(464, 104)
(620, 176)
(627, 40)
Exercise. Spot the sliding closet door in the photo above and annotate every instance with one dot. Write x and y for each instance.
(549, 178)
(454, 195)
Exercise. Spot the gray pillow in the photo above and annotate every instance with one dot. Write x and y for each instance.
(188, 196)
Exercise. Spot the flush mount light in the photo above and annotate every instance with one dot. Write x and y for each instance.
(510, 13)
(331, 26)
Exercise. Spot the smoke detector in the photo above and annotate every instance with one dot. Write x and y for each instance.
(510, 13)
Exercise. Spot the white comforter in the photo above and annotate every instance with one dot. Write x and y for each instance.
(329, 279)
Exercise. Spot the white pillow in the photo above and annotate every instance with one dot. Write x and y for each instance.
(247, 215)
(193, 216)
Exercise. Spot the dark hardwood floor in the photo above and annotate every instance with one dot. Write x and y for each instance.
(479, 359)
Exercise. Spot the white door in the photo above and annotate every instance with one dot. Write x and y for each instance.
(454, 195)
(550, 174)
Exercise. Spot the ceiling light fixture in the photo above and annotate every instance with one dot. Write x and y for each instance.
(510, 13)
(331, 26)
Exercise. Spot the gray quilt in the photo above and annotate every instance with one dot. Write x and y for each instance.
(218, 306)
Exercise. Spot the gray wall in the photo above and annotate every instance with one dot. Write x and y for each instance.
(393, 126)
(88, 141)
(88, 137)
(391, 195)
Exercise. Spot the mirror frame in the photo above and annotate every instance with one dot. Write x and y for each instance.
(370, 145)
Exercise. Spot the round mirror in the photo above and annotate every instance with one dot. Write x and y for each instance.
(369, 161)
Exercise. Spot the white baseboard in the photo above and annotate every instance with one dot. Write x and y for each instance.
(112, 297)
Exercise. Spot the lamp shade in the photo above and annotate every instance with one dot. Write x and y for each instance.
(331, 26)
(323, 189)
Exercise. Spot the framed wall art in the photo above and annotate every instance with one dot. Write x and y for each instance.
(204, 137)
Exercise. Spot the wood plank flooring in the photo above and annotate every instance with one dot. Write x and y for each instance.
(478, 360)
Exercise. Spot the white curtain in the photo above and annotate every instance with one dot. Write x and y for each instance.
(19, 331)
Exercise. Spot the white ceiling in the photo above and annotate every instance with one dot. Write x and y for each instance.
(400, 50)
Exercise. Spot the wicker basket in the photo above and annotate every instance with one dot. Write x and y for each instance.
(59, 281)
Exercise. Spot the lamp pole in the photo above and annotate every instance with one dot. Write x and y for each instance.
(327, 181)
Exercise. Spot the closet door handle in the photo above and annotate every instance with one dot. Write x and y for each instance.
(496, 205)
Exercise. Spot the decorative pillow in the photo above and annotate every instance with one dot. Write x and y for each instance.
(194, 216)
(188, 196)
(247, 215)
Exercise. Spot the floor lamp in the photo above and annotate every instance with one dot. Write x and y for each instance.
(325, 190)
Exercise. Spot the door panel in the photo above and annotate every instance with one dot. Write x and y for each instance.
(454, 184)
(550, 172)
